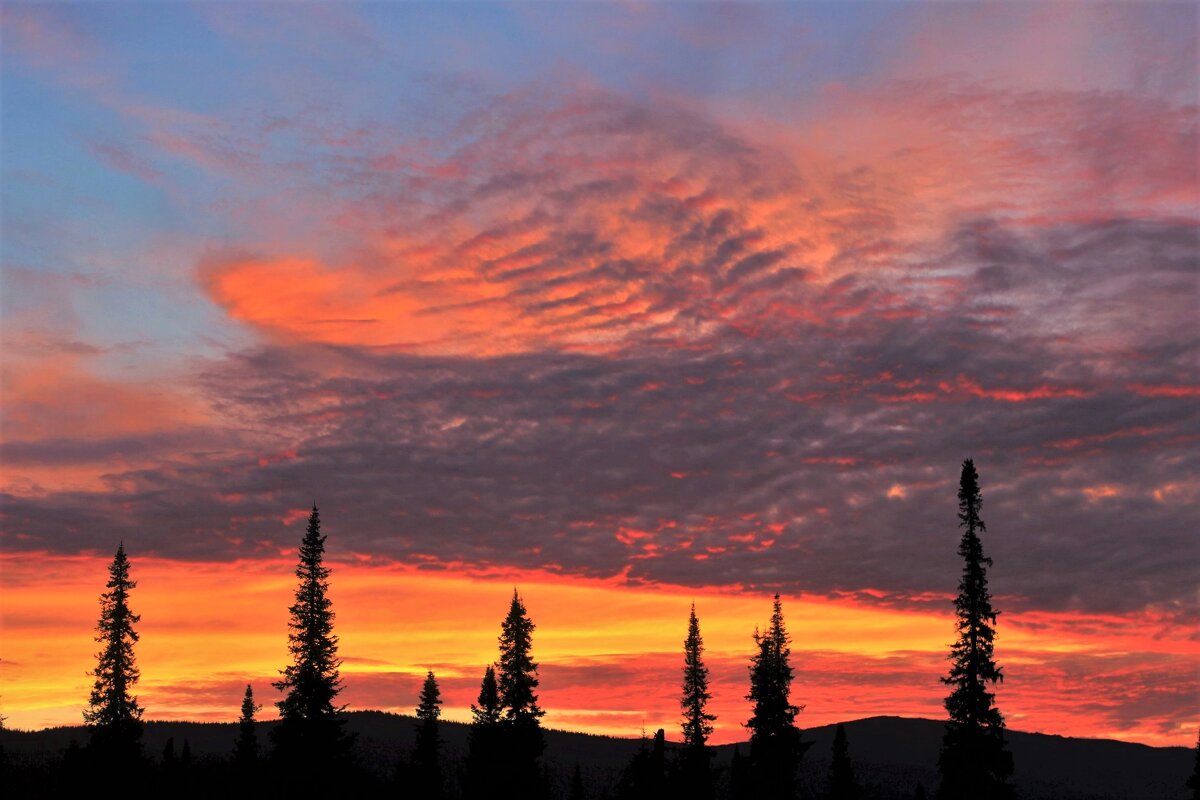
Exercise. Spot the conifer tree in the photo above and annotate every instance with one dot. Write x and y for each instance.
(645, 777)
(245, 748)
(426, 773)
(483, 739)
(919, 793)
(113, 716)
(842, 783)
(695, 758)
(974, 762)
(775, 746)
(517, 681)
(310, 735)
(488, 713)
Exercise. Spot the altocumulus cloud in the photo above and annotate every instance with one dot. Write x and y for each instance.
(601, 336)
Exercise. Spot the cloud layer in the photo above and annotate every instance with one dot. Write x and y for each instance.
(610, 337)
(723, 308)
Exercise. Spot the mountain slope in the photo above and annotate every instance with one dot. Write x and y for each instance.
(891, 755)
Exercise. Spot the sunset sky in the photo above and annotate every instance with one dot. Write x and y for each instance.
(625, 305)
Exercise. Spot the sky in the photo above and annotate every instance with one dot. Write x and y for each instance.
(627, 305)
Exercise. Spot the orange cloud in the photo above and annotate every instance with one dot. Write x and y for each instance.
(310, 301)
(58, 396)
(1095, 493)
(584, 221)
(56, 407)
(965, 384)
(573, 236)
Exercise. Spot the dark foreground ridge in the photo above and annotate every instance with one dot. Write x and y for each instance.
(892, 755)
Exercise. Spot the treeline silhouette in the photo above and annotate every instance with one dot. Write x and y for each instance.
(309, 752)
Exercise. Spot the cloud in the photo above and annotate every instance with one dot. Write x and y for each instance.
(591, 222)
(639, 348)
(49, 39)
(765, 464)
(602, 335)
(587, 225)
(122, 159)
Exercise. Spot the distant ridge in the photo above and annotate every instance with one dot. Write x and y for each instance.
(891, 754)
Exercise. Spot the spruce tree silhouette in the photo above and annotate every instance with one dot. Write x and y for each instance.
(310, 743)
(426, 771)
(645, 777)
(695, 759)
(517, 679)
(974, 762)
(483, 740)
(775, 746)
(919, 794)
(113, 716)
(245, 747)
(842, 783)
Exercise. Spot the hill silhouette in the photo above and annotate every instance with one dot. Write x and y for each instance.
(891, 755)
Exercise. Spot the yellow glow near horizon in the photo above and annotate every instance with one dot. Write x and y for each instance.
(209, 628)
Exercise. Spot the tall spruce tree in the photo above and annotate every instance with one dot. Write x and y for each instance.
(310, 736)
(974, 762)
(517, 681)
(245, 747)
(775, 746)
(695, 758)
(842, 783)
(483, 740)
(113, 716)
(426, 772)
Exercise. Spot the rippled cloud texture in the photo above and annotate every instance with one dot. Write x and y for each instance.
(712, 297)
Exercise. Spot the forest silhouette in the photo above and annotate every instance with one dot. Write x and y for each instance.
(309, 752)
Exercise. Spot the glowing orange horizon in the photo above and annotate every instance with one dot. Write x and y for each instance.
(609, 652)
